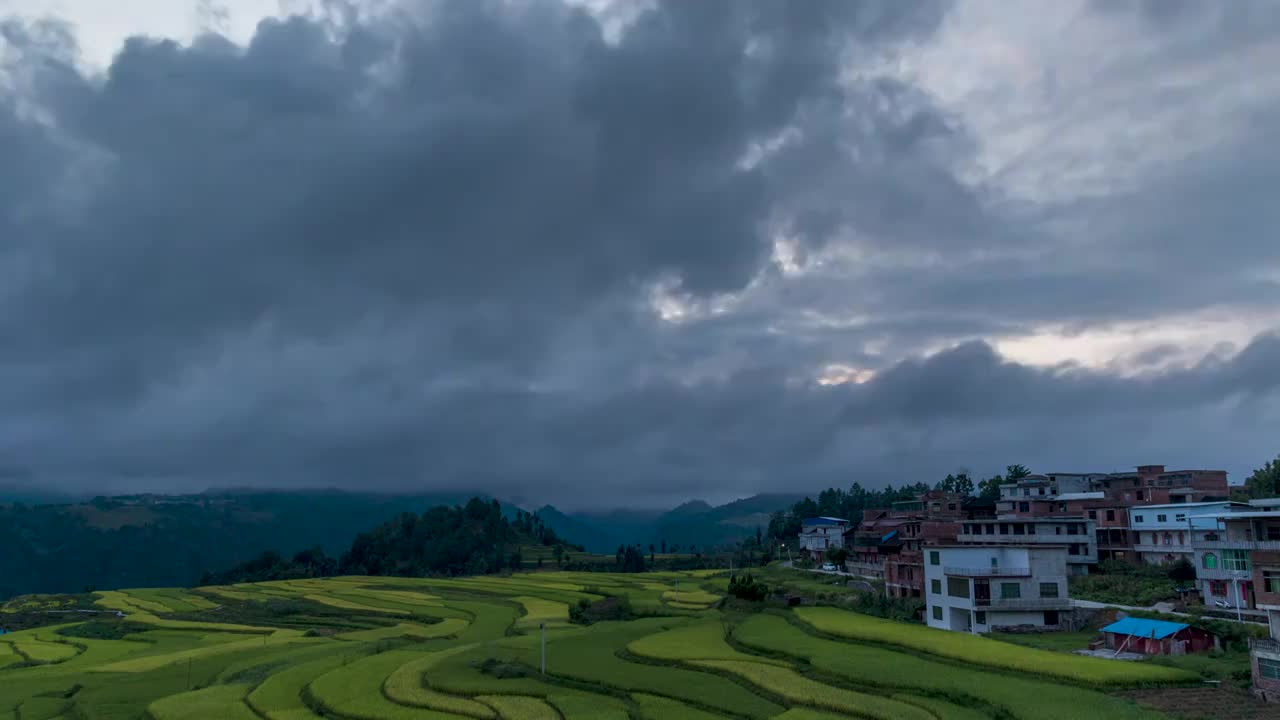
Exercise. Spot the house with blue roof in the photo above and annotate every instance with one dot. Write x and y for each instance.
(1156, 637)
(819, 534)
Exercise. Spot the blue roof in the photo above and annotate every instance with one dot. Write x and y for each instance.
(888, 537)
(824, 521)
(1142, 627)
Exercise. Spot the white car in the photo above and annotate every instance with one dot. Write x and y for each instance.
(829, 567)
(1223, 604)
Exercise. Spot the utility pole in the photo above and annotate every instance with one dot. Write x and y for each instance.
(543, 627)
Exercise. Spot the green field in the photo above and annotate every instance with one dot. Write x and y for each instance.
(368, 648)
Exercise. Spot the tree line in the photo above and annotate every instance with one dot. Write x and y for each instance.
(471, 539)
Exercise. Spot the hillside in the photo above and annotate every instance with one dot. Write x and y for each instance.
(161, 540)
(386, 648)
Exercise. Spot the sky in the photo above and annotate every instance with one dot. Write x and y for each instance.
(628, 254)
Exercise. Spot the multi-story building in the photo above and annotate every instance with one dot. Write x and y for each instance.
(1227, 560)
(1167, 533)
(1075, 535)
(1153, 485)
(819, 534)
(1240, 564)
(981, 588)
(886, 543)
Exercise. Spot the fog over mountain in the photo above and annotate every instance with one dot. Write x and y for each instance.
(619, 254)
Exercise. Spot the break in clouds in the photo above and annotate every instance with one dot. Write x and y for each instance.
(705, 250)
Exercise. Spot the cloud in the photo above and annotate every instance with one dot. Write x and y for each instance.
(419, 247)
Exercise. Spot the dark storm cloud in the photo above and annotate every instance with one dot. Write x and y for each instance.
(417, 250)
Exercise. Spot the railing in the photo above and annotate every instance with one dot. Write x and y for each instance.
(1222, 574)
(1266, 645)
(1167, 549)
(988, 572)
(861, 568)
(1024, 603)
(1237, 545)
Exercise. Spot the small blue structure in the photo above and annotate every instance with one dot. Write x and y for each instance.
(1156, 637)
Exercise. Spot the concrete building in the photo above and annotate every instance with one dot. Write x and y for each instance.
(981, 588)
(1075, 535)
(1166, 533)
(819, 534)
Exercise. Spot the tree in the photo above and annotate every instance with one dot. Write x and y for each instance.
(990, 488)
(1182, 571)
(1015, 472)
(963, 484)
(1265, 481)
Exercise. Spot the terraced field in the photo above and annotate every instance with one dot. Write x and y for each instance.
(368, 648)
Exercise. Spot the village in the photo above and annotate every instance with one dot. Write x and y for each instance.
(1007, 564)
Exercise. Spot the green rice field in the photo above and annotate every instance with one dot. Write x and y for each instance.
(369, 648)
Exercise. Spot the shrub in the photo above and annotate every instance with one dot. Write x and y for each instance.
(745, 587)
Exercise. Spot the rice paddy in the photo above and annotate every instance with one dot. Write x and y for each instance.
(373, 648)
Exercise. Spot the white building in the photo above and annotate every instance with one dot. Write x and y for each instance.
(980, 588)
(819, 534)
(1077, 535)
(1166, 533)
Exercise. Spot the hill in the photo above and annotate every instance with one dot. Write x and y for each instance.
(694, 524)
(160, 540)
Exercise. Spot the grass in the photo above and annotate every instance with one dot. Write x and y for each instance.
(519, 707)
(392, 648)
(801, 690)
(656, 707)
(1057, 641)
(220, 702)
(895, 672)
(985, 651)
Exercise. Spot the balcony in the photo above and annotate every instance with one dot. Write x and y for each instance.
(864, 569)
(988, 571)
(1024, 603)
(1165, 549)
(1265, 645)
(1270, 545)
(1223, 574)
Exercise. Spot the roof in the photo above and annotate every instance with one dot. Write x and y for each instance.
(1166, 506)
(1265, 502)
(824, 520)
(1081, 496)
(1142, 627)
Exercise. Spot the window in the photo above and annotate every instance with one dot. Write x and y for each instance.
(1168, 539)
(1019, 529)
(1111, 515)
(980, 617)
(1041, 491)
(1010, 591)
(1235, 560)
(1271, 580)
(1093, 514)
(937, 612)
(1162, 518)
(1142, 494)
(958, 587)
(1048, 590)
(995, 562)
(1026, 492)
(1050, 617)
(1268, 668)
(1218, 588)
(951, 506)
(1024, 507)
(1210, 561)
(1180, 517)
(1031, 528)
(1273, 532)
(935, 586)
(1074, 530)
(1137, 518)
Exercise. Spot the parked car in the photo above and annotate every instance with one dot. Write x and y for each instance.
(829, 567)
(1223, 604)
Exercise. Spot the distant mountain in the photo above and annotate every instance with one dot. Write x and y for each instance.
(694, 523)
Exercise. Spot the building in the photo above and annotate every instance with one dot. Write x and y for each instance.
(1167, 533)
(1241, 557)
(1153, 485)
(981, 588)
(1156, 637)
(1075, 535)
(819, 534)
(886, 543)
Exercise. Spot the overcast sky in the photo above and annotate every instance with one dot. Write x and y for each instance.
(605, 255)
